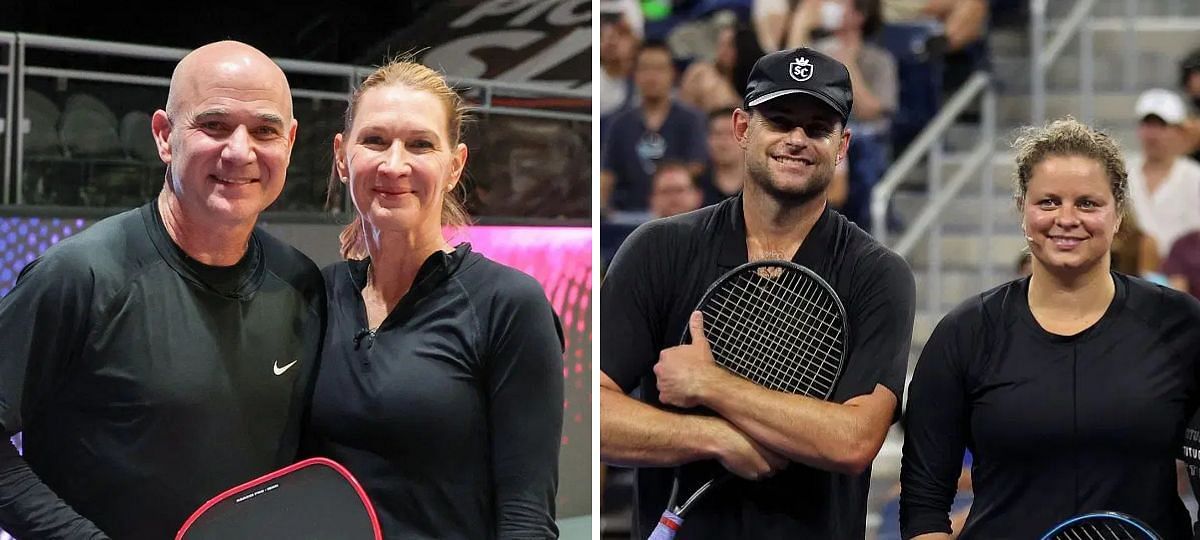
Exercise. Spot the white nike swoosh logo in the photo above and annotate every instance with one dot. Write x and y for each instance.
(279, 370)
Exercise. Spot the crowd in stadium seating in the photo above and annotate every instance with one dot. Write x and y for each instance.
(662, 76)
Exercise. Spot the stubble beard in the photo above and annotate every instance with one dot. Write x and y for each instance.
(762, 176)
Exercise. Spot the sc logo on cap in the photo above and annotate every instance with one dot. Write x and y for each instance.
(800, 69)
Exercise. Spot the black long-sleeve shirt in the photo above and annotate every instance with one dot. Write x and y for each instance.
(1057, 425)
(146, 382)
(450, 414)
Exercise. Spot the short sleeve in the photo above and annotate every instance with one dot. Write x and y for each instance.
(630, 312)
(880, 313)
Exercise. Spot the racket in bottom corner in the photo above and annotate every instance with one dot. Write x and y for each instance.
(315, 499)
(1102, 526)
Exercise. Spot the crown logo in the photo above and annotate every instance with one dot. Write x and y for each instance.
(801, 69)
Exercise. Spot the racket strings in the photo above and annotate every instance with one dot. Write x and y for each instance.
(809, 354)
(784, 378)
(1100, 530)
(781, 330)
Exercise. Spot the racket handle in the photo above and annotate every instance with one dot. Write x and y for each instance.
(668, 525)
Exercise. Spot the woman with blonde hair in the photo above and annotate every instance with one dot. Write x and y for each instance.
(1070, 387)
(440, 385)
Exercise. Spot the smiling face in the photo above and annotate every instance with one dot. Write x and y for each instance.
(399, 159)
(792, 145)
(227, 133)
(1070, 215)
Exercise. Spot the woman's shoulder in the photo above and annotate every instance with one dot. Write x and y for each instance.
(1154, 302)
(485, 278)
(988, 309)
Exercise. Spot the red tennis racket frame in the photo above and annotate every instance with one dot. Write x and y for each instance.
(231, 492)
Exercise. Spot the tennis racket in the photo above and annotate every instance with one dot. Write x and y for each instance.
(1102, 526)
(314, 499)
(777, 324)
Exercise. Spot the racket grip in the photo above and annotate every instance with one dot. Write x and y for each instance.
(668, 525)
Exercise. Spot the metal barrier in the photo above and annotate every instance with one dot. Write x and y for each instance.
(10, 122)
(1043, 55)
(343, 76)
(930, 144)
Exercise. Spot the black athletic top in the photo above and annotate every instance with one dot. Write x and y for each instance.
(1057, 425)
(653, 285)
(146, 382)
(450, 413)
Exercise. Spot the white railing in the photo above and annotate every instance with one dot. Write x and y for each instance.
(9, 123)
(929, 144)
(18, 68)
(1044, 55)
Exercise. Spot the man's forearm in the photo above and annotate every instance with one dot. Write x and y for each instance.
(634, 434)
(836, 437)
(28, 509)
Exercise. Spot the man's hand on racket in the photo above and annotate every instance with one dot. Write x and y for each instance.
(687, 372)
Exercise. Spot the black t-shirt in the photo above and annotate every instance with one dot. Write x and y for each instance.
(146, 382)
(651, 288)
(1057, 425)
(450, 413)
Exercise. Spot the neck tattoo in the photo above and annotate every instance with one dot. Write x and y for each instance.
(770, 254)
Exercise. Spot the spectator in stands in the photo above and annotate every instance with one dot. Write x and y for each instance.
(618, 51)
(786, 24)
(1164, 186)
(723, 177)
(639, 138)
(876, 92)
(710, 85)
(1133, 251)
(1190, 81)
(1182, 266)
(963, 25)
(964, 21)
(675, 190)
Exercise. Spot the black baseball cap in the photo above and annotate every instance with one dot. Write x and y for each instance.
(800, 71)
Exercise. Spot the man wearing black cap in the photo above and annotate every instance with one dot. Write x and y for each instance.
(803, 462)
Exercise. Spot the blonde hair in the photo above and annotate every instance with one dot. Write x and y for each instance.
(1069, 137)
(402, 70)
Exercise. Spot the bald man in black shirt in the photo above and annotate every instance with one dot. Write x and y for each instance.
(165, 354)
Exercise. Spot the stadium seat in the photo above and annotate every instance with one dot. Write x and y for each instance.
(89, 128)
(41, 140)
(919, 66)
(136, 139)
